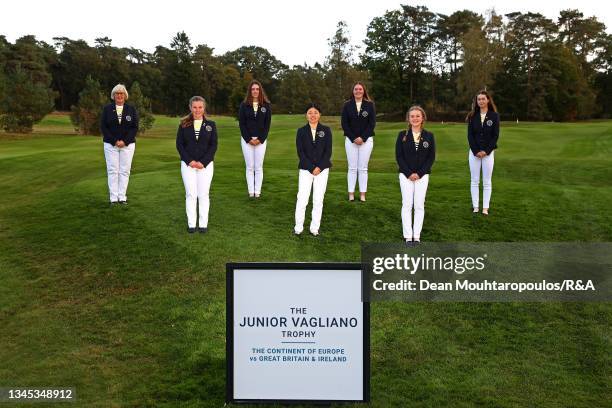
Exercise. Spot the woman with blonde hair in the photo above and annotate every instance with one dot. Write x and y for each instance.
(119, 126)
(196, 142)
(254, 118)
(415, 152)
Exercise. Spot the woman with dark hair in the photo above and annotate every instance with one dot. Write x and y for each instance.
(314, 148)
(254, 118)
(196, 142)
(483, 132)
(415, 152)
(119, 126)
(358, 122)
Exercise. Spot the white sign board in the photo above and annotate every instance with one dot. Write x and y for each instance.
(297, 332)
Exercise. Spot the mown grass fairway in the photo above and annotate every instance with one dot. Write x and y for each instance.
(124, 305)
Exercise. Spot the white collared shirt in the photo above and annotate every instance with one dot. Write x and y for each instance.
(119, 109)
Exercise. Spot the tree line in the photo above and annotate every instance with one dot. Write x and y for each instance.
(537, 69)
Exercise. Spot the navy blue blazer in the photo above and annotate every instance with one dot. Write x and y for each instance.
(252, 125)
(483, 136)
(358, 124)
(315, 153)
(112, 130)
(203, 149)
(409, 159)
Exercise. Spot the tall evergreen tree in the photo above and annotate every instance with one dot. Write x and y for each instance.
(76, 61)
(603, 79)
(114, 67)
(293, 92)
(450, 38)
(27, 96)
(143, 107)
(563, 84)
(583, 36)
(259, 63)
(340, 74)
(301, 85)
(142, 69)
(178, 74)
(482, 61)
(87, 113)
(451, 31)
(217, 82)
(4, 47)
(516, 89)
(385, 58)
(25, 101)
(2, 89)
(397, 44)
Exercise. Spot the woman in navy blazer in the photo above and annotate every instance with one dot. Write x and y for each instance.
(196, 142)
(483, 133)
(119, 126)
(415, 152)
(358, 123)
(254, 117)
(314, 149)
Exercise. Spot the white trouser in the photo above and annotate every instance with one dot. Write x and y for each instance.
(318, 185)
(358, 157)
(413, 195)
(487, 172)
(253, 158)
(118, 165)
(197, 185)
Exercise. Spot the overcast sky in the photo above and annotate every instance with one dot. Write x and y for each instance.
(293, 31)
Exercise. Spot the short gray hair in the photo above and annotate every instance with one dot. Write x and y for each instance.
(119, 88)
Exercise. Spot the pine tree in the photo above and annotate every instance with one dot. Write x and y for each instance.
(340, 73)
(2, 89)
(86, 114)
(24, 101)
(143, 107)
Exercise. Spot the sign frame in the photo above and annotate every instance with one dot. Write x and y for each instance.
(229, 328)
